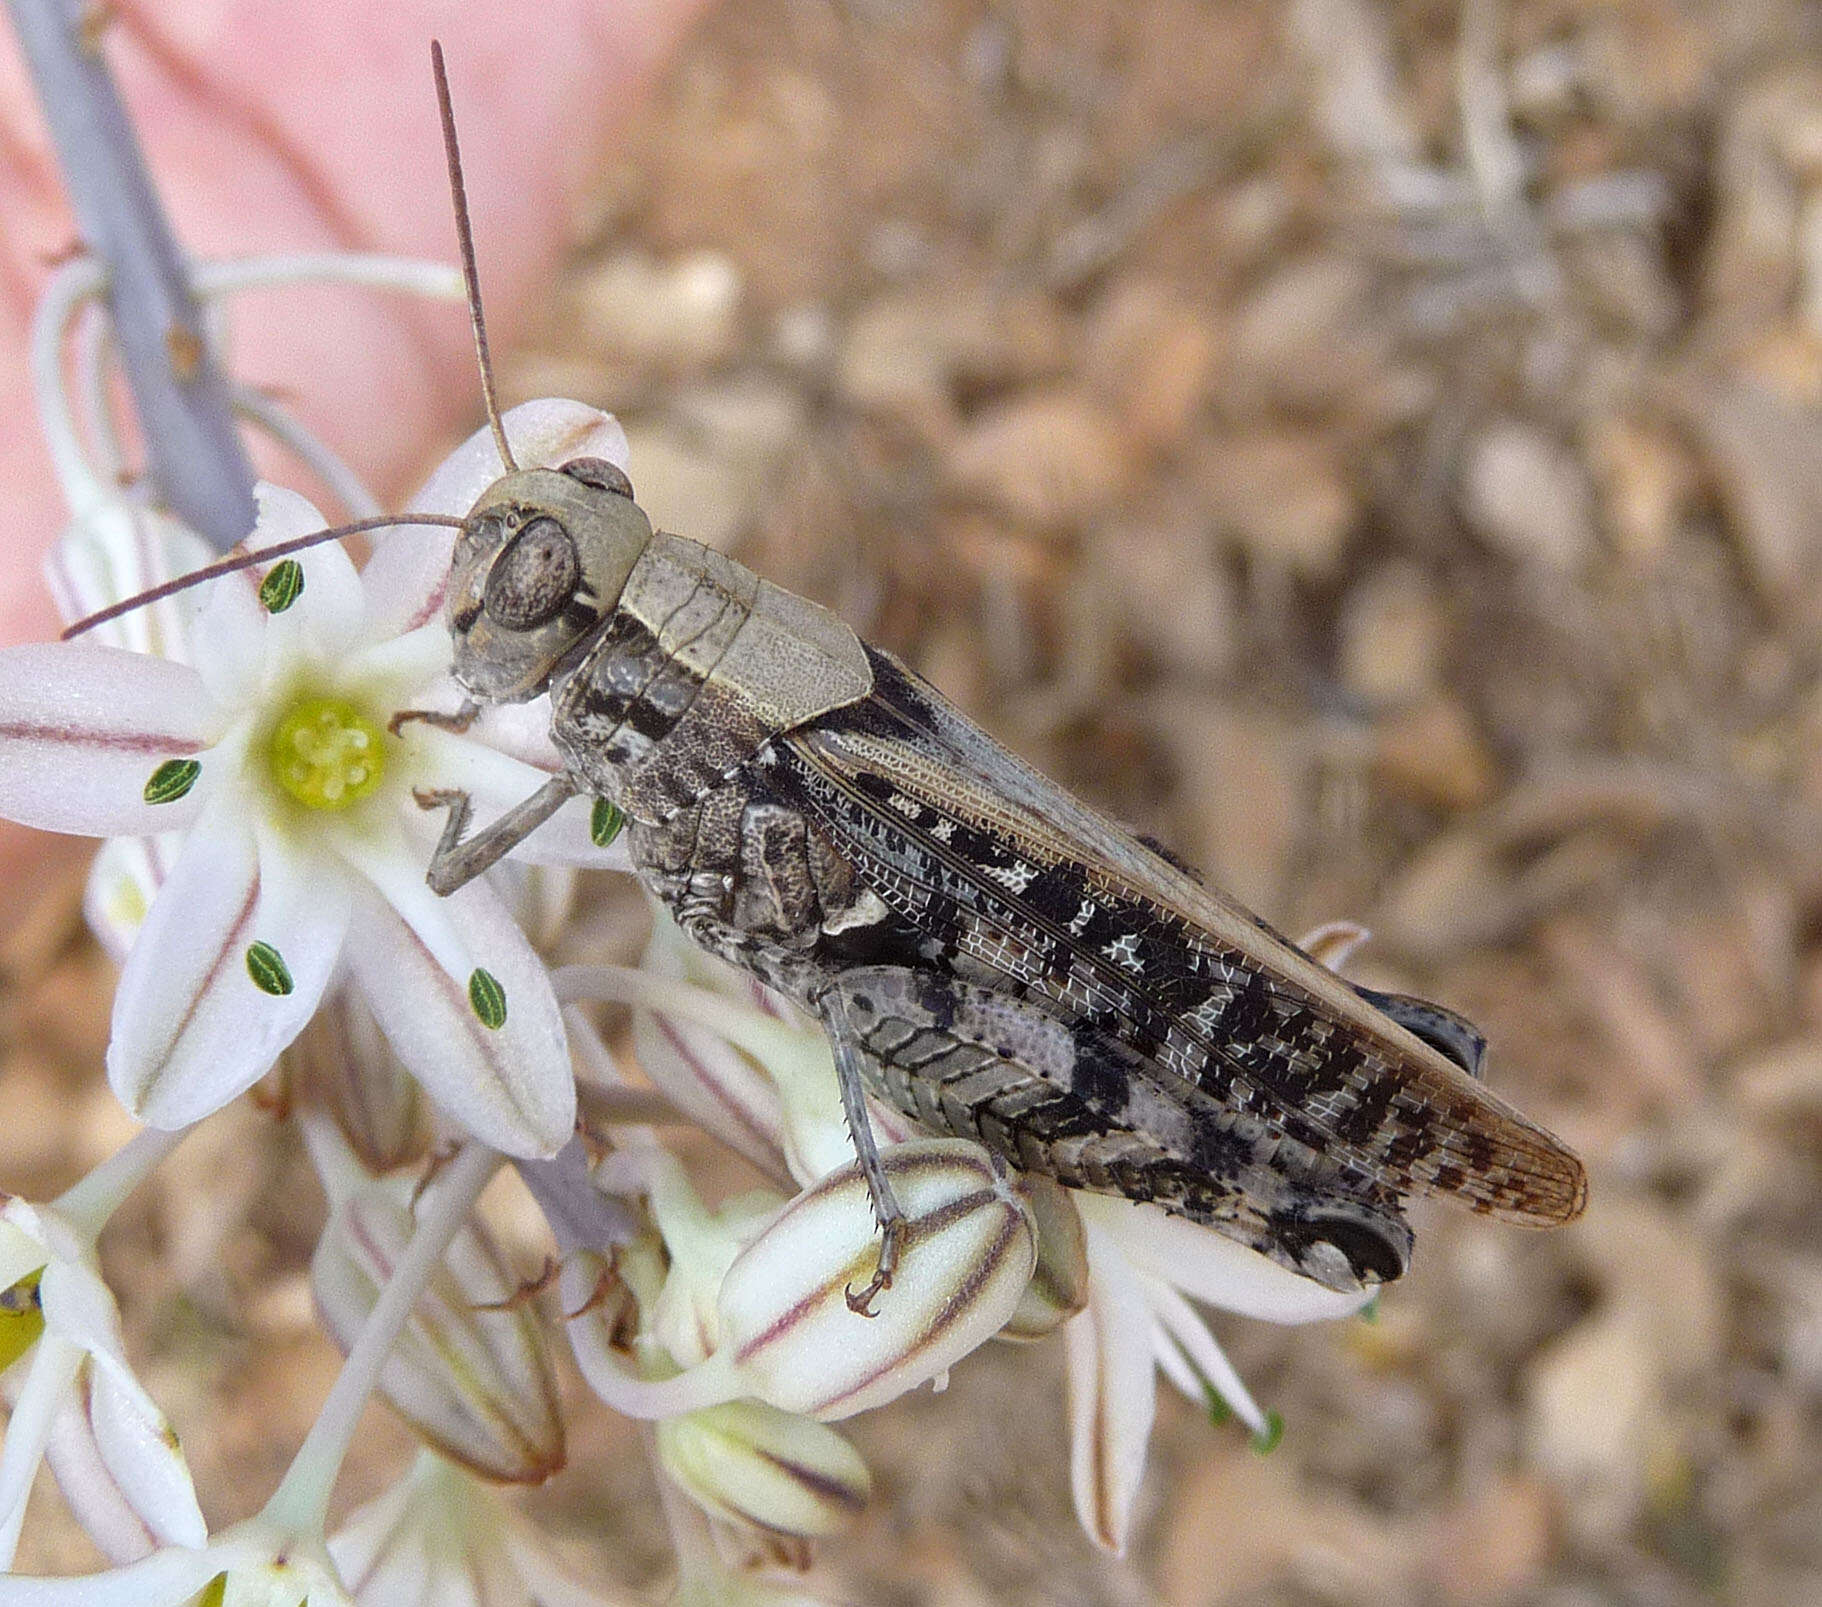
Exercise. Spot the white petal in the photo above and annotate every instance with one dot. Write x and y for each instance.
(1211, 1267)
(374, 1534)
(123, 880)
(1112, 1395)
(227, 634)
(412, 955)
(1182, 1333)
(191, 1028)
(168, 1578)
(94, 1499)
(41, 1397)
(330, 614)
(115, 551)
(22, 1247)
(79, 1307)
(521, 729)
(705, 1076)
(404, 672)
(409, 566)
(83, 727)
(715, 1085)
(494, 780)
(142, 1453)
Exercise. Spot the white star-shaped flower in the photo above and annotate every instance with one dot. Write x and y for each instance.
(78, 1402)
(274, 752)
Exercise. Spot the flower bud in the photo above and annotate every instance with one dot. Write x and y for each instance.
(969, 1249)
(341, 1062)
(751, 1464)
(787, 1333)
(1059, 1287)
(475, 1384)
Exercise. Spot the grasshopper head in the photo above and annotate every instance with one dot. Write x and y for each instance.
(538, 565)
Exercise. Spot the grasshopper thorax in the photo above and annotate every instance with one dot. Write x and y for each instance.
(538, 566)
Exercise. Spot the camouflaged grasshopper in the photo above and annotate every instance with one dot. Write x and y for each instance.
(986, 953)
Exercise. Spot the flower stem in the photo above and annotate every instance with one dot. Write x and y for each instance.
(197, 458)
(88, 1204)
(301, 1501)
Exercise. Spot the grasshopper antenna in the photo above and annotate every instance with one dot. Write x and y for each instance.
(470, 274)
(246, 560)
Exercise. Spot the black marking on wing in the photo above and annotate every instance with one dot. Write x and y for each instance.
(998, 854)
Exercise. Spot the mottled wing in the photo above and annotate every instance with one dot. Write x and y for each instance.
(1027, 883)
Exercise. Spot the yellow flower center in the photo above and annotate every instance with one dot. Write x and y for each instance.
(327, 754)
(21, 1319)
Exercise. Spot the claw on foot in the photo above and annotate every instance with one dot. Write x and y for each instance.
(435, 797)
(890, 1243)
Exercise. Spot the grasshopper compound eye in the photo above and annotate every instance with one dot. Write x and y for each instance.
(534, 577)
(599, 474)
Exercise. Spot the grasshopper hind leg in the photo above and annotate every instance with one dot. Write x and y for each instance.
(1073, 1102)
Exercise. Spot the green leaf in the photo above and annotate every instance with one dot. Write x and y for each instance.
(604, 823)
(171, 780)
(1267, 1442)
(282, 586)
(268, 969)
(488, 999)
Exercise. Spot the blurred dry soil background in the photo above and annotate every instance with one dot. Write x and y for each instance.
(1378, 449)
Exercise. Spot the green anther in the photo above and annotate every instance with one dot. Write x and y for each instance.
(487, 998)
(268, 969)
(283, 586)
(326, 753)
(214, 1593)
(604, 822)
(21, 1319)
(171, 780)
(1264, 1444)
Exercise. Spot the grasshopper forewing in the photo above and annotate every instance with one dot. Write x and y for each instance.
(987, 953)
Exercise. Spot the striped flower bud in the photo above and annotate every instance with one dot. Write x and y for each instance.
(787, 1333)
(969, 1250)
(751, 1464)
(476, 1384)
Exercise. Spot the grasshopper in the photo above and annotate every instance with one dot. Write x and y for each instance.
(986, 953)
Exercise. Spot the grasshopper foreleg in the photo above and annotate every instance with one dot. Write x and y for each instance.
(455, 862)
(845, 1046)
(458, 722)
